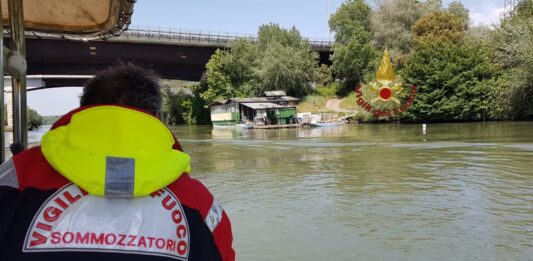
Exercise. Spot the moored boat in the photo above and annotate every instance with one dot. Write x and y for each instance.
(328, 124)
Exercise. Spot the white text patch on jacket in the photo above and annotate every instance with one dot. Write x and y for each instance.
(71, 220)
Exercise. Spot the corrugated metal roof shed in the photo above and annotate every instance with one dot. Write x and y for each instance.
(262, 105)
(255, 100)
(245, 100)
(262, 99)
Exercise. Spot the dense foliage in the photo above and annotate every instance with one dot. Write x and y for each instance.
(513, 44)
(34, 119)
(176, 105)
(438, 27)
(352, 51)
(459, 10)
(280, 60)
(392, 20)
(453, 82)
(323, 76)
(463, 72)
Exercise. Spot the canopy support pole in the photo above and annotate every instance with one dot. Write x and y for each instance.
(2, 111)
(18, 46)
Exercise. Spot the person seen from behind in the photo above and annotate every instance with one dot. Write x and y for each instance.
(110, 182)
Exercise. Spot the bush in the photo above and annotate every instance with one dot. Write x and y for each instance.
(513, 43)
(328, 90)
(313, 104)
(453, 82)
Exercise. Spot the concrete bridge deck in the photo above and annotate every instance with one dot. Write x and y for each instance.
(173, 53)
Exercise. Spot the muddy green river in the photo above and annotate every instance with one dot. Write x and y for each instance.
(372, 192)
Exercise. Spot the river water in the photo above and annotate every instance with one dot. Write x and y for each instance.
(372, 192)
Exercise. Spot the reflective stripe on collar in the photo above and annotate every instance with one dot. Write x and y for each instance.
(119, 176)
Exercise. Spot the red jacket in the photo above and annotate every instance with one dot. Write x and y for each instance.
(44, 216)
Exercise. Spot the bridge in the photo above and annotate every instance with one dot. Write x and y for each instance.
(173, 53)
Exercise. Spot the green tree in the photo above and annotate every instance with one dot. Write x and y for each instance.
(453, 81)
(433, 4)
(513, 42)
(199, 113)
(524, 10)
(34, 119)
(241, 59)
(480, 33)
(176, 105)
(458, 9)
(285, 62)
(351, 21)
(392, 21)
(281, 59)
(439, 27)
(323, 75)
(286, 68)
(273, 33)
(352, 51)
(218, 82)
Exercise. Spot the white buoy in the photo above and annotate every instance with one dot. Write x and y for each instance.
(424, 129)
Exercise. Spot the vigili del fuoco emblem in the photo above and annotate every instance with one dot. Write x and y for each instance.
(381, 97)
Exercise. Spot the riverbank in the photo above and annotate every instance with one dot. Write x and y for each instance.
(345, 106)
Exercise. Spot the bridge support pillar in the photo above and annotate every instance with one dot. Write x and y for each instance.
(9, 103)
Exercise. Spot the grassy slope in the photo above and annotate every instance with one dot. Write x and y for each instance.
(349, 102)
(313, 104)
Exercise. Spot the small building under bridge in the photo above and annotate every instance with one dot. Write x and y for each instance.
(275, 108)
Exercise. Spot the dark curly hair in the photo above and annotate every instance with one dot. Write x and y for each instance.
(124, 84)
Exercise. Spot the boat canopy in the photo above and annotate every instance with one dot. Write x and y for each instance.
(74, 18)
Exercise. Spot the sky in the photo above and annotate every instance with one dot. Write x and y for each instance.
(235, 16)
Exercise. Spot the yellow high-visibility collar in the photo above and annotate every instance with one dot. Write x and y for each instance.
(115, 151)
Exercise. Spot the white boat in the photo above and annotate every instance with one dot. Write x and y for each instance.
(244, 126)
(327, 124)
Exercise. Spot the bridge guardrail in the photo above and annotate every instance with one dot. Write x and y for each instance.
(198, 36)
